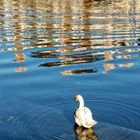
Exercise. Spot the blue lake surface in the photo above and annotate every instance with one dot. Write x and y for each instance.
(52, 50)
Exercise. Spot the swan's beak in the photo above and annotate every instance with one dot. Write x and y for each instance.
(75, 98)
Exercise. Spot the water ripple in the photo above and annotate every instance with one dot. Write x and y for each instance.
(42, 42)
(42, 122)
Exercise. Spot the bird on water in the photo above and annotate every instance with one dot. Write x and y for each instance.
(83, 115)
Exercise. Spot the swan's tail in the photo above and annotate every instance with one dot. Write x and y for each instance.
(90, 123)
(93, 122)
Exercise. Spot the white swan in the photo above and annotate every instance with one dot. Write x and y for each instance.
(83, 115)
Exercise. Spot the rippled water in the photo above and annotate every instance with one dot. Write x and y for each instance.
(52, 50)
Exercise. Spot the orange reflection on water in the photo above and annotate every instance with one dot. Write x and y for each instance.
(19, 57)
(20, 69)
(71, 32)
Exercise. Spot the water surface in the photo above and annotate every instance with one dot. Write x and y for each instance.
(52, 50)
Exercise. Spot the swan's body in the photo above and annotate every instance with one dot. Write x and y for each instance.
(83, 115)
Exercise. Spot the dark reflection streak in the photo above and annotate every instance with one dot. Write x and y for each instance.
(69, 62)
(138, 41)
(78, 71)
(47, 55)
(38, 44)
(65, 55)
(84, 55)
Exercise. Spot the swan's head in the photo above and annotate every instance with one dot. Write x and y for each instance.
(78, 98)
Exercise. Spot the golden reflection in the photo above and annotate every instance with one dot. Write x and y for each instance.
(19, 57)
(21, 69)
(126, 65)
(108, 55)
(17, 26)
(67, 73)
(18, 35)
(108, 67)
(71, 32)
(85, 133)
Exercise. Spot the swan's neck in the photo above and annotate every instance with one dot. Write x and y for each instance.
(81, 103)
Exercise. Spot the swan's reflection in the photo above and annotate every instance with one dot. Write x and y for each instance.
(84, 133)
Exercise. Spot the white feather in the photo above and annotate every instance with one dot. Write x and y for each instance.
(83, 115)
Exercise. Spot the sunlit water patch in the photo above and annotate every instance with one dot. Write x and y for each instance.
(52, 50)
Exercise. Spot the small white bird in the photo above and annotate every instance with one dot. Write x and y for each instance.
(83, 115)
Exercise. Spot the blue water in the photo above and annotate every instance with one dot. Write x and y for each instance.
(52, 50)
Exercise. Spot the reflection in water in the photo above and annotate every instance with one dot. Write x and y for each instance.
(71, 32)
(108, 67)
(67, 59)
(79, 71)
(84, 133)
(21, 69)
(126, 65)
(75, 38)
(19, 57)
